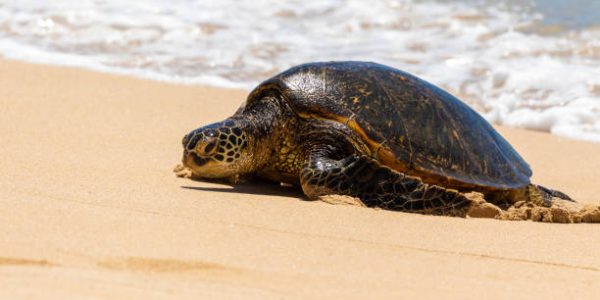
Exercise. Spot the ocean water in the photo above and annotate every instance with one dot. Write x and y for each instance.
(530, 64)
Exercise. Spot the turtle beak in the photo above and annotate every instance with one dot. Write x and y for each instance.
(190, 158)
(185, 140)
(186, 154)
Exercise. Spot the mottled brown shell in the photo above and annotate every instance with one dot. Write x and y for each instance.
(412, 125)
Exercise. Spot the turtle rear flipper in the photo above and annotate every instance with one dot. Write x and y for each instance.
(553, 193)
(531, 193)
(378, 186)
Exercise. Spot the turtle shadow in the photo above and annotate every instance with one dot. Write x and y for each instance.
(254, 188)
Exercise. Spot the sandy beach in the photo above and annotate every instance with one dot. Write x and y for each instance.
(91, 209)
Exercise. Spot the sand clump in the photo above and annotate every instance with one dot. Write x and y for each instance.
(561, 211)
(482, 209)
(181, 171)
(341, 200)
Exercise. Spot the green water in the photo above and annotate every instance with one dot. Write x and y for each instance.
(563, 15)
(574, 14)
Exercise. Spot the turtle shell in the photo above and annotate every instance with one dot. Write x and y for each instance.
(409, 124)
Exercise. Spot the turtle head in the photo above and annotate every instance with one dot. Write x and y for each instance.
(218, 150)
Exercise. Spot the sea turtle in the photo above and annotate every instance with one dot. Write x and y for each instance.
(369, 131)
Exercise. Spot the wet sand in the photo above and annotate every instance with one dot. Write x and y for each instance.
(90, 208)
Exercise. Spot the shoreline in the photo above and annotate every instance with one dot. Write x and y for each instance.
(91, 208)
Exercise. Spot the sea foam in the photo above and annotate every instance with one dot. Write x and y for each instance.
(505, 60)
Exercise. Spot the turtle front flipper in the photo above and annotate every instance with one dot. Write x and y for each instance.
(378, 186)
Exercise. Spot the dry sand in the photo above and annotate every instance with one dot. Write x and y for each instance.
(91, 209)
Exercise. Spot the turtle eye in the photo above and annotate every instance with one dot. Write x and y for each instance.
(211, 133)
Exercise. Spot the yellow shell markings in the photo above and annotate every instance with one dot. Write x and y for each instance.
(455, 134)
(364, 91)
(384, 154)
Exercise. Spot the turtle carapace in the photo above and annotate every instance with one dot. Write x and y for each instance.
(368, 131)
